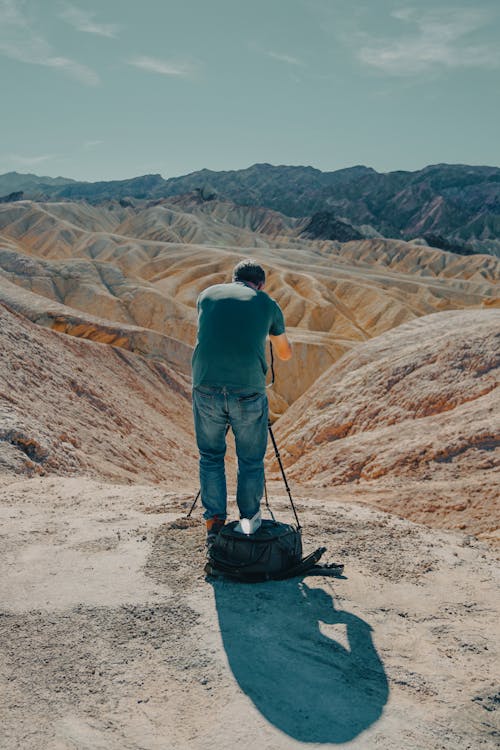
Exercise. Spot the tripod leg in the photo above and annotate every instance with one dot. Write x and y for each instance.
(194, 504)
(277, 454)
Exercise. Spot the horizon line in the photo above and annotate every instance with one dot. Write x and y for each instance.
(242, 169)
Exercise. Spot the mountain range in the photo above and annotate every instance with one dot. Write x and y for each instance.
(454, 207)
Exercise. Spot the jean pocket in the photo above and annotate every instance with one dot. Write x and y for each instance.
(249, 398)
(204, 392)
(252, 407)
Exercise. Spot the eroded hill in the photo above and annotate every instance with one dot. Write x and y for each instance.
(414, 412)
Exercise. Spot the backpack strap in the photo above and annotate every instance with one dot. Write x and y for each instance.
(303, 567)
(306, 565)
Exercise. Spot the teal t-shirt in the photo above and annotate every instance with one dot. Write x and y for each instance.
(233, 323)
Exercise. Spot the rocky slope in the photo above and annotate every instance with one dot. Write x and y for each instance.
(414, 411)
(70, 406)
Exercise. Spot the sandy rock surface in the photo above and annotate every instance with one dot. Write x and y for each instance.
(112, 638)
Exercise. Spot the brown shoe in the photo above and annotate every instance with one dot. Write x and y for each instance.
(214, 525)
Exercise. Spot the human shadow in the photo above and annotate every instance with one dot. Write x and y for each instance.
(309, 685)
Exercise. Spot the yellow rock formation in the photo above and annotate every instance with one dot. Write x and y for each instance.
(119, 265)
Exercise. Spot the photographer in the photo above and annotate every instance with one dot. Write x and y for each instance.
(229, 389)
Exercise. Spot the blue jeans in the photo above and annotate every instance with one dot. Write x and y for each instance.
(246, 412)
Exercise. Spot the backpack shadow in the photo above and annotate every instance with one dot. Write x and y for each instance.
(307, 684)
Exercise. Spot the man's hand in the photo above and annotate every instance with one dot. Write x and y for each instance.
(282, 346)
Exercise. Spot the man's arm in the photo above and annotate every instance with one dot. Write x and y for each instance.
(282, 346)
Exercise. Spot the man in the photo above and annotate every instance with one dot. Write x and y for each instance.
(229, 388)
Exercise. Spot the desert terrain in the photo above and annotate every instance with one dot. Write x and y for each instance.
(387, 419)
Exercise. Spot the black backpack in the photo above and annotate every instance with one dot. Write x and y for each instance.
(273, 552)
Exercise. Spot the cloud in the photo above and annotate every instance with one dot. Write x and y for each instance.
(437, 40)
(164, 67)
(81, 72)
(84, 21)
(285, 58)
(92, 144)
(19, 40)
(29, 161)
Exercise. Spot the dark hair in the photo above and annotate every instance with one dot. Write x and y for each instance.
(249, 270)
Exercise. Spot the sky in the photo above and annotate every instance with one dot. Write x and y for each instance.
(112, 89)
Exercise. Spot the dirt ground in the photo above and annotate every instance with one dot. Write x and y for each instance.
(111, 638)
